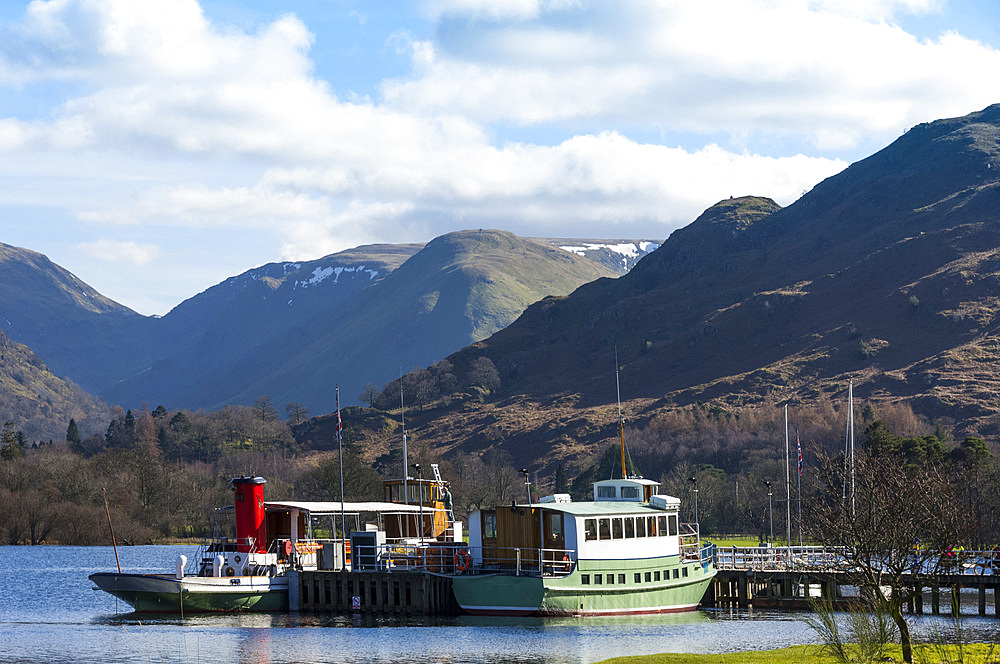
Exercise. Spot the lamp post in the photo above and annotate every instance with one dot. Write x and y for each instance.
(694, 480)
(420, 493)
(527, 484)
(770, 511)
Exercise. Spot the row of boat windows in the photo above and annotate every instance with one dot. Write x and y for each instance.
(637, 577)
(609, 492)
(629, 527)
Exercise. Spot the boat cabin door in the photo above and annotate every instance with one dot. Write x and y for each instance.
(554, 540)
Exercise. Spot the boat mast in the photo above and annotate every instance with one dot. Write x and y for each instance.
(621, 420)
(788, 488)
(402, 424)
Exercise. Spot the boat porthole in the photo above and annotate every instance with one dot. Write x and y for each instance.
(237, 558)
(230, 571)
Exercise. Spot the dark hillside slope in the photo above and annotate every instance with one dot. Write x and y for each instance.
(77, 330)
(888, 272)
(39, 403)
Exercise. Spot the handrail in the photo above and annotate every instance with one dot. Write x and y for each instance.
(832, 559)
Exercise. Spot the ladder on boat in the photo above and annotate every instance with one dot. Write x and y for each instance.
(437, 477)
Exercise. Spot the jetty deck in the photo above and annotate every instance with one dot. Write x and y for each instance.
(790, 577)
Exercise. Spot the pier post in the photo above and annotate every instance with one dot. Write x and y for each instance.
(743, 591)
(918, 597)
(935, 599)
(996, 600)
(982, 598)
(293, 590)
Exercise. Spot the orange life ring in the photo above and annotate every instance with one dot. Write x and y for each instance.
(463, 560)
(566, 562)
(289, 547)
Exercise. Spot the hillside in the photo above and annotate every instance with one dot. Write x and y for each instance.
(888, 272)
(39, 403)
(78, 331)
(619, 256)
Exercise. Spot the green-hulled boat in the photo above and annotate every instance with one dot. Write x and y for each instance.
(624, 553)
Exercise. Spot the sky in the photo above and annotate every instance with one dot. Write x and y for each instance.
(155, 149)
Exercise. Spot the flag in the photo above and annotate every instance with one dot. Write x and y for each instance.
(340, 424)
(798, 444)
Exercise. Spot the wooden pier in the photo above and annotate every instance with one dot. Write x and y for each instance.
(766, 578)
(398, 593)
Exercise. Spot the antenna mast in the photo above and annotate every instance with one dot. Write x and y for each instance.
(621, 420)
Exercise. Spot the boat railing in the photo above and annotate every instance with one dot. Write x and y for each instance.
(690, 541)
(459, 558)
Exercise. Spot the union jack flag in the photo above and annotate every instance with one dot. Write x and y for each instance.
(798, 444)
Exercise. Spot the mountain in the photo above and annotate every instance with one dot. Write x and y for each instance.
(888, 272)
(39, 403)
(296, 331)
(78, 331)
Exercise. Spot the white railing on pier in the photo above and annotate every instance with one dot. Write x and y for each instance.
(832, 559)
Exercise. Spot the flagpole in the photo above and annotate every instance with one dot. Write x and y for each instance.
(798, 445)
(788, 489)
(340, 445)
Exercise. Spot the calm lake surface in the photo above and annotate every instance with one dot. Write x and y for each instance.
(53, 615)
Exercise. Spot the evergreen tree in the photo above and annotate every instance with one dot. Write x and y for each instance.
(9, 447)
(561, 483)
(72, 433)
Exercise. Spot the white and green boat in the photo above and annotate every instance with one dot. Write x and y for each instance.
(626, 552)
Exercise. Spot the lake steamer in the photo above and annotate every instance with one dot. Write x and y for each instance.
(624, 553)
(252, 571)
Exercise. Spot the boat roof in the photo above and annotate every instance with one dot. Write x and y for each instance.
(598, 507)
(336, 507)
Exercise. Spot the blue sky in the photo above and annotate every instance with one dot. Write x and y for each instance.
(157, 148)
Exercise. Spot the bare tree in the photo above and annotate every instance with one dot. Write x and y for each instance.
(891, 528)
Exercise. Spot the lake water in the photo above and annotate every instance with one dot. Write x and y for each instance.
(53, 615)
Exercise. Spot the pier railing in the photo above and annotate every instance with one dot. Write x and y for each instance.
(458, 558)
(832, 559)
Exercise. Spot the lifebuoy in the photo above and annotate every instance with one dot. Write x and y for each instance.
(566, 562)
(289, 547)
(463, 560)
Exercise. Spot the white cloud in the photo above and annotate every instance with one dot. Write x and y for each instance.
(118, 251)
(833, 73)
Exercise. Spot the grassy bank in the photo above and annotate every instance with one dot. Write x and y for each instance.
(975, 653)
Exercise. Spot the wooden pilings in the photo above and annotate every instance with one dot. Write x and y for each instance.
(377, 592)
(793, 590)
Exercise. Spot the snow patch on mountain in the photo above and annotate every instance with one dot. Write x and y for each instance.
(321, 274)
(630, 252)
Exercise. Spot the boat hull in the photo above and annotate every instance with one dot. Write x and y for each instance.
(159, 593)
(502, 594)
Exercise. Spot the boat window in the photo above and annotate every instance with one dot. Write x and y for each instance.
(656, 575)
(651, 526)
(662, 523)
(555, 526)
(585, 579)
(685, 571)
(604, 528)
(673, 524)
(630, 492)
(590, 529)
(629, 527)
(621, 578)
(490, 526)
(640, 527)
(605, 492)
(597, 579)
(675, 573)
(649, 576)
(611, 579)
(616, 528)
(636, 578)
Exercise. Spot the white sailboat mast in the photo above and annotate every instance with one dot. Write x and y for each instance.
(788, 486)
